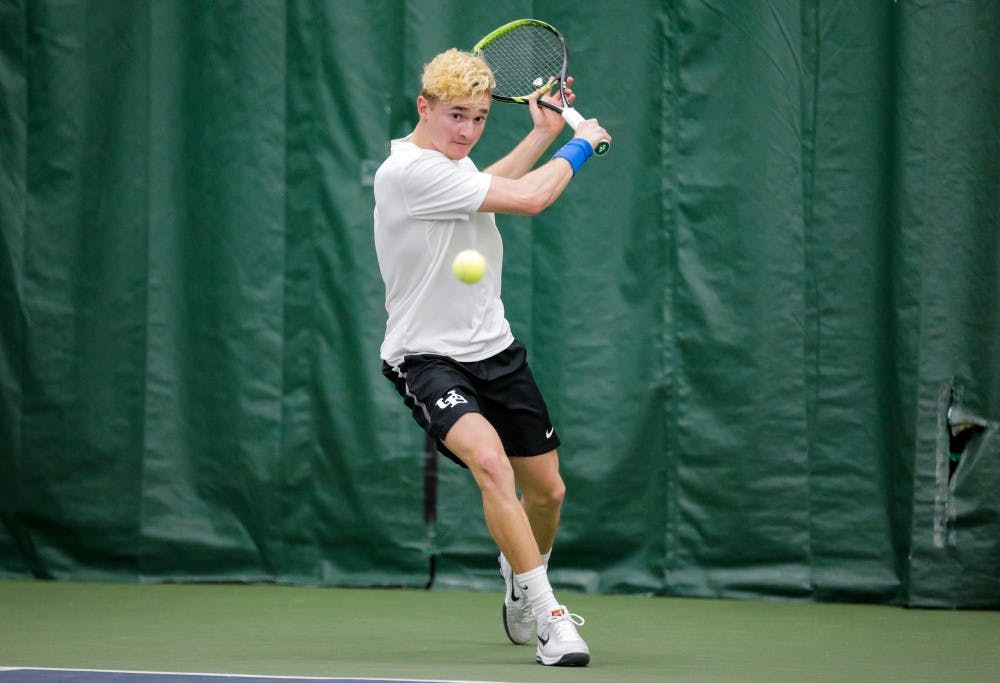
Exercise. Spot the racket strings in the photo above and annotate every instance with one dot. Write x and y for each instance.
(522, 56)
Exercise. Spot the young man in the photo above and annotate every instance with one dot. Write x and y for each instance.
(448, 347)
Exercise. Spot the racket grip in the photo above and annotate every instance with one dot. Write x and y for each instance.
(574, 119)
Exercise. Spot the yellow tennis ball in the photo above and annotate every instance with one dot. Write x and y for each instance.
(468, 266)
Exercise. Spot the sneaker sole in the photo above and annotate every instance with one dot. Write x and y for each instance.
(569, 659)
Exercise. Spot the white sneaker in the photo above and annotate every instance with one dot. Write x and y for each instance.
(559, 644)
(518, 621)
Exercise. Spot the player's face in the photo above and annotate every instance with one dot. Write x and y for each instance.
(456, 126)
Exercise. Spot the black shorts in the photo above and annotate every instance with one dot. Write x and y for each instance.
(439, 390)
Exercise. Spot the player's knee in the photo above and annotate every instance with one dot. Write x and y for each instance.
(491, 467)
(554, 494)
(549, 495)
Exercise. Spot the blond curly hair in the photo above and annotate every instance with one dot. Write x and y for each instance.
(454, 75)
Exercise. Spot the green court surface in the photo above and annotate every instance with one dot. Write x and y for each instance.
(446, 635)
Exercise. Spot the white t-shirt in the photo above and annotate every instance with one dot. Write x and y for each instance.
(425, 213)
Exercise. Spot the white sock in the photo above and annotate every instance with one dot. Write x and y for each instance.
(545, 559)
(534, 585)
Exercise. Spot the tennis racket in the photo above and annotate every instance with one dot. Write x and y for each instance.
(525, 55)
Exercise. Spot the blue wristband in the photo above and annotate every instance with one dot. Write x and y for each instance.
(576, 151)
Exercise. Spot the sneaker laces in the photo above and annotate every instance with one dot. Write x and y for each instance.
(564, 623)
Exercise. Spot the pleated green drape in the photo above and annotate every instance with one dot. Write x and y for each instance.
(749, 319)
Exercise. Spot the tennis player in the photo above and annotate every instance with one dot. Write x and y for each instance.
(448, 347)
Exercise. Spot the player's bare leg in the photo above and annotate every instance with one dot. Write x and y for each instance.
(542, 494)
(474, 440)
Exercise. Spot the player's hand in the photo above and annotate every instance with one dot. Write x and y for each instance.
(593, 132)
(570, 95)
(545, 119)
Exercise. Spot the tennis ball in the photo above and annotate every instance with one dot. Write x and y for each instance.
(468, 266)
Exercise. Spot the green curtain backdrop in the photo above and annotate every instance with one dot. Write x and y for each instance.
(750, 319)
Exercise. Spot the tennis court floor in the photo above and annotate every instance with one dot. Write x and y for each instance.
(64, 632)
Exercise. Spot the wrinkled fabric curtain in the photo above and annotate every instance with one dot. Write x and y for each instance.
(750, 320)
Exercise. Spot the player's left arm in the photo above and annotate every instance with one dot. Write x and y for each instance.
(547, 125)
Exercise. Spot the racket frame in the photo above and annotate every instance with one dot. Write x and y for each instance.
(569, 114)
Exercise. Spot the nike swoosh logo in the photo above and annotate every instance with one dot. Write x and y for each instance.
(544, 641)
(513, 597)
(549, 432)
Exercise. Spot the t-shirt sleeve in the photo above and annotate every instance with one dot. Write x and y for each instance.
(435, 188)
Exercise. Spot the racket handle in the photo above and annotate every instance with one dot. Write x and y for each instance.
(574, 119)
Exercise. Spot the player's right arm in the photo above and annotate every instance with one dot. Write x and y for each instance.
(536, 190)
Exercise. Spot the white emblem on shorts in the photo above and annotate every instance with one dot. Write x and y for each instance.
(451, 399)
(549, 432)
